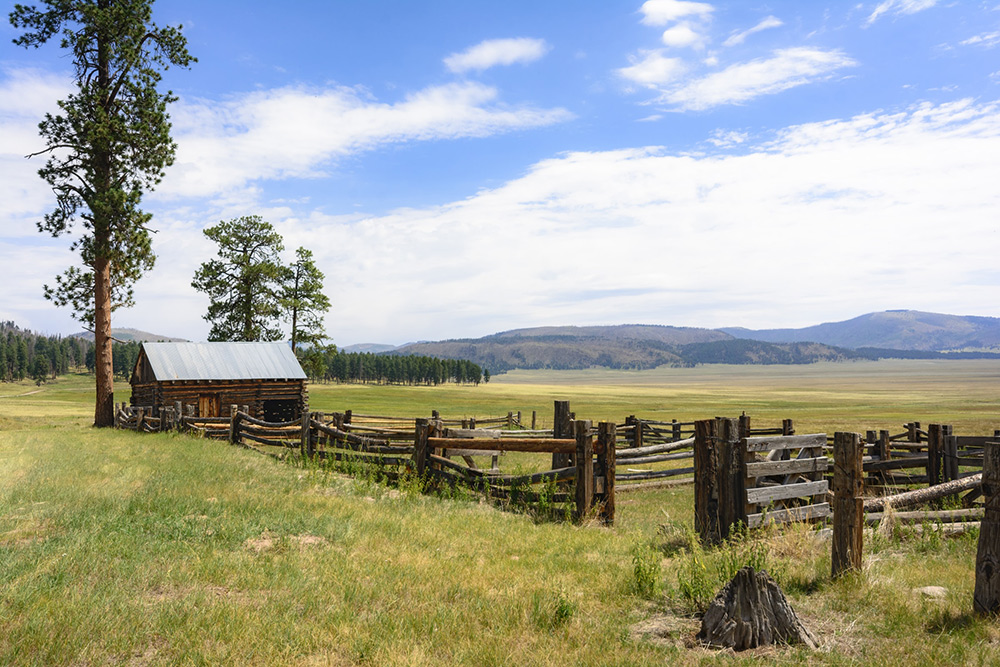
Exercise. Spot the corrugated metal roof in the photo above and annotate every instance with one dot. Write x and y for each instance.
(223, 361)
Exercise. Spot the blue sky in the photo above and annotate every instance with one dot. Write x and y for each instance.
(462, 168)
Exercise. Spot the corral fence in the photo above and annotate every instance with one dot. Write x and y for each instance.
(742, 479)
(742, 474)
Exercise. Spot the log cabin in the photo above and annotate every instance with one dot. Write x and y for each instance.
(265, 377)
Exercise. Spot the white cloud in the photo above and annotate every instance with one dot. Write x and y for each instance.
(807, 218)
(899, 7)
(662, 12)
(740, 37)
(25, 97)
(295, 132)
(728, 138)
(683, 35)
(824, 203)
(787, 68)
(653, 69)
(494, 52)
(987, 40)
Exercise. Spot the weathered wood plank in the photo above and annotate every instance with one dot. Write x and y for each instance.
(942, 516)
(767, 443)
(545, 445)
(789, 514)
(656, 458)
(769, 494)
(768, 468)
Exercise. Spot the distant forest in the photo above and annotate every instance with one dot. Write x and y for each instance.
(24, 354)
(331, 365)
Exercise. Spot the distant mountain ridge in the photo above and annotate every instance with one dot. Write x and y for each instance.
(891, 329)
(892, 334)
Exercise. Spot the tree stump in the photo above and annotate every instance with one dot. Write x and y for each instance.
(751, 611)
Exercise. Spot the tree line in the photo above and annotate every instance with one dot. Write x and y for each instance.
(332, 365)
(25, 354)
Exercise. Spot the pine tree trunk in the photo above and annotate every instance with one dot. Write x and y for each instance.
(104, 409)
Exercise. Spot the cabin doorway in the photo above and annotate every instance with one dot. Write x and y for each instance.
(208, 405)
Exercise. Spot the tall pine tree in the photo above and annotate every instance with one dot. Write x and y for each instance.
(107, 145)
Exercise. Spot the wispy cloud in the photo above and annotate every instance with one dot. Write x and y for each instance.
(899, 7)
(787, 68)
(915, 182)
(295, 132)
(493, 52)
(740, 37)
(986, 40)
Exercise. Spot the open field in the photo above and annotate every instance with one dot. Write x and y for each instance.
(157, 549)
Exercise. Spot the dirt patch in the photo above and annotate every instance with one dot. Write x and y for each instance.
(149, 655)
(665, 629)
(269, 541)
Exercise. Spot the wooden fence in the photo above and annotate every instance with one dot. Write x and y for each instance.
(742, 474)
(742, 479)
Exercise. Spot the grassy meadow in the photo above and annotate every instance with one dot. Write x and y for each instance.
(119, 548)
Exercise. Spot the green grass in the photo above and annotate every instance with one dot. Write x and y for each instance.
(162, 549)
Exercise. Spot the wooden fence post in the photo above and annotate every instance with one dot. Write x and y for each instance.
(732, 474)
(744, 426)
(234, 418)
(562, 428)
(584, 467)
(706, 483)
(950, 454)
(534, 414)
(848, 504)
(787, 427)
(675, 430)
(305, 442)
(606, 462)
(630, 433)
(934, 447)
(986, 596)
(420, 446)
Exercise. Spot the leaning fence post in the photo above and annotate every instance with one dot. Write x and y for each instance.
(848, 504)
(584, 467)
(986, 596)
(706, 484)
(606, 461)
